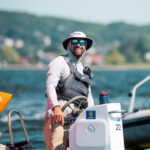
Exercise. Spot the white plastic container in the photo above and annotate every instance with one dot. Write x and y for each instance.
(98, 128)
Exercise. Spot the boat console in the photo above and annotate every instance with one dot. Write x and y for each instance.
(98, 127)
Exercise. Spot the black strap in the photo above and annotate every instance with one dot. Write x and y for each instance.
(71, 66)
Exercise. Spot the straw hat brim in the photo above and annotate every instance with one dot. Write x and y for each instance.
(89, 42)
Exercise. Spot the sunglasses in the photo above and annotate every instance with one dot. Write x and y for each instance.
(80, 41)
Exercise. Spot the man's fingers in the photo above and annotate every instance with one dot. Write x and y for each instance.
(63, 120)
(59, 119)
(58, 114)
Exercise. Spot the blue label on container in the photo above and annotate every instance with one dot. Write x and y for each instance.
(90, 114)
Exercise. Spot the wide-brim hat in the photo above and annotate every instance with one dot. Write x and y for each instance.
(78, 34)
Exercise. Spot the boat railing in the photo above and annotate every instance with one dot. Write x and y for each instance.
(133, 93)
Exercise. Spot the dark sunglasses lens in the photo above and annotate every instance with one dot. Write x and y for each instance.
(82, 42)
(74, 42)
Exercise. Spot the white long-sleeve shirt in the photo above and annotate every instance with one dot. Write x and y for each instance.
(58, 69)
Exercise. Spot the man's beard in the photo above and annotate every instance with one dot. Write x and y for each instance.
(74, 53)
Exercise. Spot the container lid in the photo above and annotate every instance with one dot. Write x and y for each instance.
(103, 93)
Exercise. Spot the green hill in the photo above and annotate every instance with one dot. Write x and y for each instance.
(129, 43)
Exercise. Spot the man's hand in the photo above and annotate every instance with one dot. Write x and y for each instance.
(58, 114)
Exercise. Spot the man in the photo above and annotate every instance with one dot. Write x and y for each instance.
(62, 84)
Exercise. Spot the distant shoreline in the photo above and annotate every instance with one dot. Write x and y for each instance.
(100, 67)
(123, 67)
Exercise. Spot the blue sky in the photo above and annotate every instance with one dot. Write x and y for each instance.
(98, 11)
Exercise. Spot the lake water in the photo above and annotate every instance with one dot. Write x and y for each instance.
(28, 89)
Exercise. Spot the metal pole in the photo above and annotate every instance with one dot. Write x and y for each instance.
(133, 92)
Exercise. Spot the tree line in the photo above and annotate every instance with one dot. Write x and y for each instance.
(118, 43)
